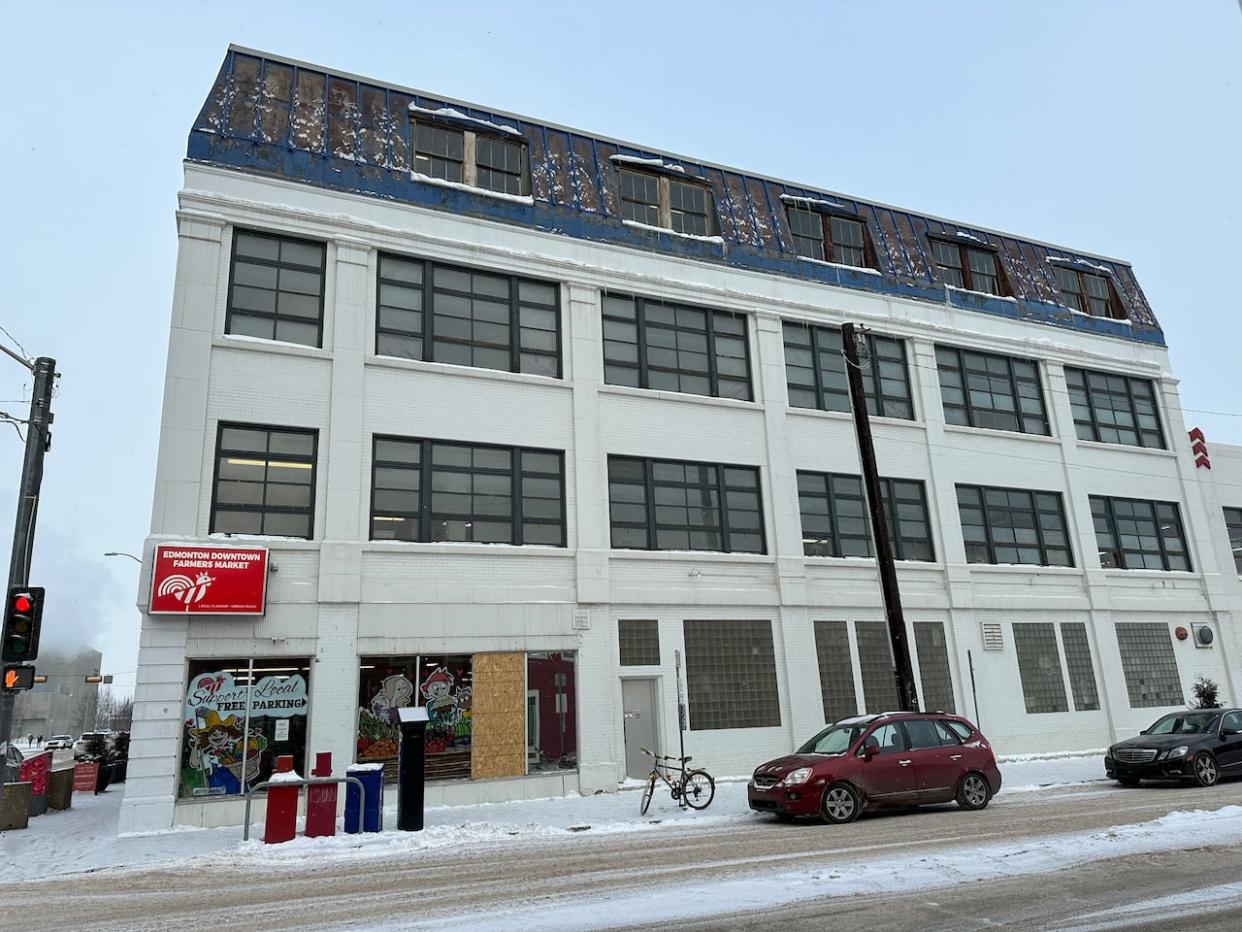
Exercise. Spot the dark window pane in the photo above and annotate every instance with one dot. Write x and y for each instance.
(264, 481)
(276, 288)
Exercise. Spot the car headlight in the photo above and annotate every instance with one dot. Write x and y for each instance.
(1179, 751)
(801, 775)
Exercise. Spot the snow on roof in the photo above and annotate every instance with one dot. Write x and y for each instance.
(798, 199)
(454, 114)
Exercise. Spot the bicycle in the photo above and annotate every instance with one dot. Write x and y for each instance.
(693, 788)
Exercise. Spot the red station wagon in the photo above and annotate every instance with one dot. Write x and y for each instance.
(891, 759)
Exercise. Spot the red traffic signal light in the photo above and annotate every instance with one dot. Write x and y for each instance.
(23, 614)
(18, 676)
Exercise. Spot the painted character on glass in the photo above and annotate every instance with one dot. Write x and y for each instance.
(441, 704)
(214, 747)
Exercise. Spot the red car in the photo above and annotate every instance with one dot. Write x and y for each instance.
(871, 761)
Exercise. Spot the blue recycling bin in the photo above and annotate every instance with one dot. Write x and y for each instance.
(372, 815)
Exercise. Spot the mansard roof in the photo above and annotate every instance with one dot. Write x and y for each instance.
(282, 118)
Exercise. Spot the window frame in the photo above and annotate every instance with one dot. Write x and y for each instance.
(641, 326)
(664, 183)
(469, 156)
(221, 427)
(828, 243)
(428, 290)
(1094, 424)
(1233, 533)
(968, 406)
(1116, 309)
(887, 493)
(274, 316)
(1115, 539)
(516, 473)
(652, 527)
(964, 249)
(989, 540)
(872, 381)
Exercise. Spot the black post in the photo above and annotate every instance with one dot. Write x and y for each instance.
(903, 669)
(411, 767)
(38, 439)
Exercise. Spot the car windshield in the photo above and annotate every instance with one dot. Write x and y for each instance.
(1185, 723)
(834, 740)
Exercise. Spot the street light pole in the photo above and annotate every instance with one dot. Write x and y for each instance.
(122, 553)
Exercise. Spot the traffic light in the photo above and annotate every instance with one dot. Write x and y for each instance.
(23, 614)
(18, 676)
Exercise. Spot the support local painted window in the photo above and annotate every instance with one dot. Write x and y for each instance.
(240, 715)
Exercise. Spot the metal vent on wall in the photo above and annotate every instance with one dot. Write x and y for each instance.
(993, 639)
(1204, 636)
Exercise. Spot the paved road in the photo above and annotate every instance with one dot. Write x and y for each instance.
(468, 888)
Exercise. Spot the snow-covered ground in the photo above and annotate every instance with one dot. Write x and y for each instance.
(84, 837)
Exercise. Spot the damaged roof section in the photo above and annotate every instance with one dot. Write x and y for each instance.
(284, 119)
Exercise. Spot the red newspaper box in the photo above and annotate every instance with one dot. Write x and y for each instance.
(282, 803)
(321, 800)
(85, 778)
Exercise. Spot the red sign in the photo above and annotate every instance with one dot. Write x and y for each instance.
(208, 580)
(34, 770)
(85, 777)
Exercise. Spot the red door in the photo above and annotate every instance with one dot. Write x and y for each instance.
(889, 775)
(938, 765)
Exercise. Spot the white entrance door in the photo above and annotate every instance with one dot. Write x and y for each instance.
(638, 698)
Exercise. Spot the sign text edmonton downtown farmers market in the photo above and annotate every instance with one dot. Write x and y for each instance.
(228, 559)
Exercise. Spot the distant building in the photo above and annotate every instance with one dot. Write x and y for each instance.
(65, 704)
(523, 414)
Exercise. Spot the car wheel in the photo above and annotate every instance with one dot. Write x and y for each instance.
(840, 804)
(973, 792)
(1206, 772)
(1129, 781)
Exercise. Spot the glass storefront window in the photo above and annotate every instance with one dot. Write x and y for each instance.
(551, 713)
(442, 683)
(241, 708)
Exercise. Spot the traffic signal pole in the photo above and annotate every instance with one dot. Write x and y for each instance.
(38, 439)
(903, 669)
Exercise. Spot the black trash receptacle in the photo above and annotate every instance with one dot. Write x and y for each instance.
(411, 761)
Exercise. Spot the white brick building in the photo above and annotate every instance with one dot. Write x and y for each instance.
(652, 313)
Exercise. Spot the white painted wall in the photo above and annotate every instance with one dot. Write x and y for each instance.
(340, 596)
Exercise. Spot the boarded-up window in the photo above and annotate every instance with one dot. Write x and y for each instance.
(1039, 667)
(1149, 665)
(731, 674)
(836, 670)
(875, 657)
(933, 652)
(1081, 670)
(640, 642)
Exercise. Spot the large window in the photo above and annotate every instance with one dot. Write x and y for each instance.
(551, 712)
(463, 156)
(968, 267)
(265, 481)
(989, 390)
(875, 659)
(1013, 526)
(276, 288)
(1149, 665)
(436, 490)
(815, 372)
(1088, 293)
(240, 715)
(651, 344)
(836, 670)
(1135, 534)
(1078, 662)
(1113, 408)
(440, 313)
(933, 653)
(835, 522)
(661, 201)
(1039, 667)
(830, 238)
(731, 674)
(667, 505)
(1233, 525)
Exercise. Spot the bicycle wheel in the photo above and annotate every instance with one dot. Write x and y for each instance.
(699, 789)
(648, 792)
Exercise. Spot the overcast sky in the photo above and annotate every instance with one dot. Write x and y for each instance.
(1111, 127)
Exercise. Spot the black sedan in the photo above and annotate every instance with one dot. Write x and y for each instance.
(1201, 745)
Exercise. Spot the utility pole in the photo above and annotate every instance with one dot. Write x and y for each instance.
(38, 439)
(903, 670)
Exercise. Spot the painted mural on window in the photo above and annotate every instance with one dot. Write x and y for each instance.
(441, 683)
(239, 716)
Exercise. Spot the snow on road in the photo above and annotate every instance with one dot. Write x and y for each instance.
(84, 838)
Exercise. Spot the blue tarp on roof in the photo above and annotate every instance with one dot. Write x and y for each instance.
(282, 118)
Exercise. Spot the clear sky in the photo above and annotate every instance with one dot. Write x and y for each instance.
(1111, 127)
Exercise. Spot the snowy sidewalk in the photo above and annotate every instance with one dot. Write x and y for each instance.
(84, 838)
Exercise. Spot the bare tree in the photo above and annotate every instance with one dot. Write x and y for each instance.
(113, 712)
